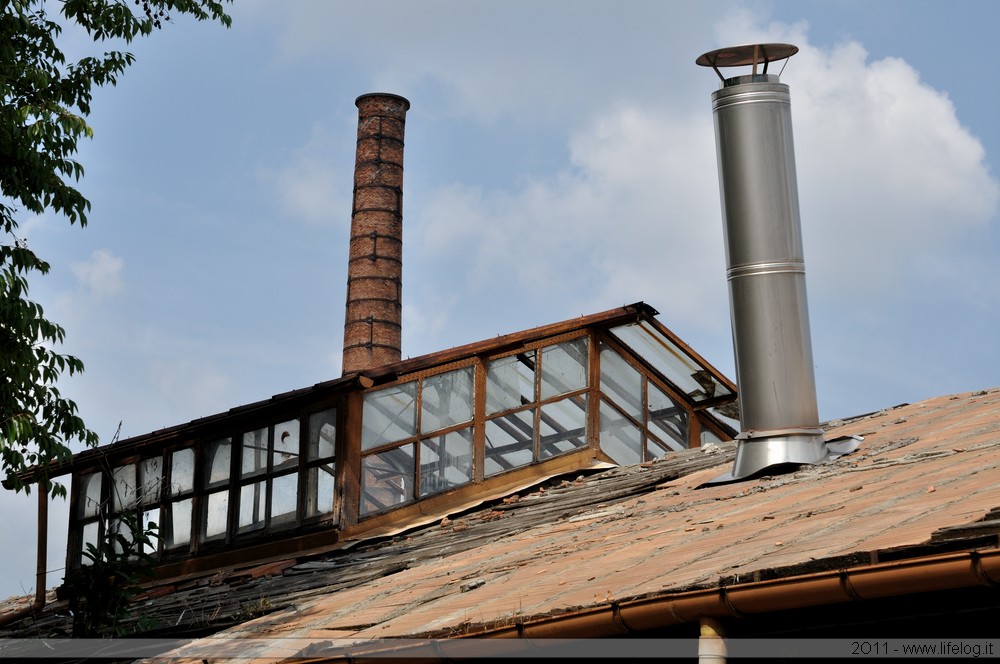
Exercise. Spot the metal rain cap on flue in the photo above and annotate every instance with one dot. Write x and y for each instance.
(765, 268)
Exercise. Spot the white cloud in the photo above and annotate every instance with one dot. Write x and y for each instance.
(101, 274)
(314, 185)
(889, 178)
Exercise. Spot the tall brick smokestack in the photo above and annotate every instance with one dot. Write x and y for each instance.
(372, 325)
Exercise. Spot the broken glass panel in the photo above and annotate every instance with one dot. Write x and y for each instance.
(284, 498)
(445, 461)
(322, 434)
(446, 400)
(151, 518)
(389, 415)
(387, 479)
(562, 426)
(151, 479)
(286, 445)
(510, 382)
(252, 504)
(319, 495)
(620, 438)
(510, 441)
(668, 420)
(182, 471)
(123, 487)
(254, 459)
(217, 463)
(564, 367)
(674, 363)
(89, 495)
(621, 382)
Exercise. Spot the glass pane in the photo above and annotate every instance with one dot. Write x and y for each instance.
(728, 416)
(90, 532)
(387, 479)
(177, 530)
(673, 363)
(252, 504)
(322, 434)
(620, 438)
(389, 415)
(286, 445)
(217, 463)
(510, 382)
(216, 515)
(668, 420)
(446, 400)
(563, 426)
(182, 471)
(445, 461)
(510, 441)
(621, 383)
(564, 367)
(319, 496)
(89, 495)
(117, 527)
(151, 479)
(254, 459)
(151, 517)
(284, 498)
(123, 488)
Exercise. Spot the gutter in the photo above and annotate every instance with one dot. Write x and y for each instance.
(933, 573)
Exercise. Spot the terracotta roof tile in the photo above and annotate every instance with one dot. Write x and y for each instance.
(922, 471)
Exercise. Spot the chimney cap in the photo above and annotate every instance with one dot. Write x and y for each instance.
(389, 95)
(746, 54)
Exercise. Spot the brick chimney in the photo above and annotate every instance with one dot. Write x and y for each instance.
(372, 325)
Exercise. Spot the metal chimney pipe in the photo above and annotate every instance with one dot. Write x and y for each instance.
(765, 265)
(373, 320)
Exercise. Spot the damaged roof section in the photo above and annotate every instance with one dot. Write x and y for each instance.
(918, 500)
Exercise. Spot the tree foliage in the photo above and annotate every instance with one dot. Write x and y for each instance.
(44, 102)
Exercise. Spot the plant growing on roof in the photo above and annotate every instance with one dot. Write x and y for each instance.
(44, 102)
(101, 590)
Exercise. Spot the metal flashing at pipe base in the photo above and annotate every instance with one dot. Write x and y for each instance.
(782, 453)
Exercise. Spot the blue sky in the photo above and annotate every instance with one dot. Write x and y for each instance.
(560, 160)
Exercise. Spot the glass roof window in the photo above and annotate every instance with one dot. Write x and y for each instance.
(672, 361)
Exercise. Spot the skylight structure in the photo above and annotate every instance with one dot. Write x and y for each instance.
(383, 450)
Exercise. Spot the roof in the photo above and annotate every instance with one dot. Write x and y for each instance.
(922, 489)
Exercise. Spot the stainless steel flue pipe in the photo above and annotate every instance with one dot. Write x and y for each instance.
(765, 265)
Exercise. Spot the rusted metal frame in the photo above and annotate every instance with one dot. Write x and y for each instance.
(418, 416)
(507, 344)
(648, 374)
(317, 394)
(543, 419)
(74, 538)
(594, 391)
(319, 464)
(198, 544)
(479, 422)
(438, 505)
